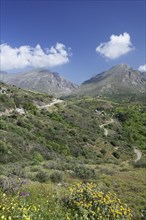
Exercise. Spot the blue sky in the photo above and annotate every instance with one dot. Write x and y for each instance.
(75, 38)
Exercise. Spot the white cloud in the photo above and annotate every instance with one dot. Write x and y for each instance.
(26, 56)
(117, 46)
(142, 68)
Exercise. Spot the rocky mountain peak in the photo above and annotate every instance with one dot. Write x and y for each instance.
(120, 79)
(41, 80)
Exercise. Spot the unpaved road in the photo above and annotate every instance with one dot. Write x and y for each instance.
(105, 129)
(138, 153)
(55, 101)
(10, 111)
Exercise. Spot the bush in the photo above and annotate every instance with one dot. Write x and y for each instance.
(116, 155)
(56, 177)
(3, 147)
(86, 202)
(55, 116)
(140, 164)
(72, 132)
(85, 139)
(38, 157)
(41, 176)
(103, 151)
(17, 170)
(84, 172)
(3, 125)
(11, 184)
(57, 165)
(114, 143)
(29, 106)
(122, 116)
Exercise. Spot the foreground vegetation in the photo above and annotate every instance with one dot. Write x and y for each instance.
(83, 201)
(44, 151)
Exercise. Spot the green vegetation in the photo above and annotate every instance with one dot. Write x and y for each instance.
(133, 119)
(34, 202)
(86, 201)
(57, 146)
(82, 201)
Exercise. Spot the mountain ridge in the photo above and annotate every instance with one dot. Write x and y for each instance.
(120, 79)
(41, 80)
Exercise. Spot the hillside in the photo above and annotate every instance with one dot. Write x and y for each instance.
(45, 129)
(40, 80)
(120, 80)
(53, 143)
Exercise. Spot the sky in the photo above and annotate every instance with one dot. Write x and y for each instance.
(77, 39)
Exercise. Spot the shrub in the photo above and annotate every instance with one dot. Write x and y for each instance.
(55, 116)
(72, 132)
(11, 183)
(144, 213)
(38, 157)
(56, 165)
(41, 176)
(56, 177)
(17, 170)
(114, 143)
(3, 125)
(116, 155)
(3, 147)
(140, 164)
(29, 106)
(86, 202)
(85, 139)
(122, 116)
(84, 172)
(103, 151)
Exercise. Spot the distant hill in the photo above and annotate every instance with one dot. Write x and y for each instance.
(40, 80)
(119, 80)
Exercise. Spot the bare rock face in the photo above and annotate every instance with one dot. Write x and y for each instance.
(120, 79)
(41, 80)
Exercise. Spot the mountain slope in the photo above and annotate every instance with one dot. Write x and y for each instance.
(28, 127)
(119, 80)
(41, 80)
(66, 142)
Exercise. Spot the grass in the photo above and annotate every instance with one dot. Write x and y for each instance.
(79, 201)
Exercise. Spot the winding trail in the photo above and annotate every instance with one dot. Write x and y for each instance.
(138, 153)
(55, 101)
(105, 129)
(10, 111)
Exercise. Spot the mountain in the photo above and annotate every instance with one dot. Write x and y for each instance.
(41, 80)
(119, 80)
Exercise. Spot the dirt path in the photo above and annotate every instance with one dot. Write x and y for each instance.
(22, 112)
(55, 101)
(138, 153)
(105, 129)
